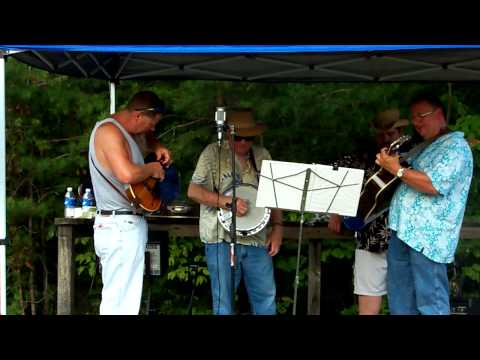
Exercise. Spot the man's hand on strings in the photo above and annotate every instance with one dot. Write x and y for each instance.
(388, 162)
(163, 155)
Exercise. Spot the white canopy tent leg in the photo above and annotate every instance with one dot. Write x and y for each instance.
(3, 219)
(3, 281)
(112, 97)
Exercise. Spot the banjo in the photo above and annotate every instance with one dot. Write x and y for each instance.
(256, 218)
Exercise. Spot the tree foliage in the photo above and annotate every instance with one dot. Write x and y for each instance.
(49, 118)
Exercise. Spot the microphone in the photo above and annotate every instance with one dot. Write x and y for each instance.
(220, 116)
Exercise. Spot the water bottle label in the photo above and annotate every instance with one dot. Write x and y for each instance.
(70, 202)
(87, 202)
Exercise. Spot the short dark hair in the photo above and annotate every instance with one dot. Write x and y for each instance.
(146, 100)
(431, 99)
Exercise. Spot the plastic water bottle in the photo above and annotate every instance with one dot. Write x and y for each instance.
(88, 203)
(70, 203)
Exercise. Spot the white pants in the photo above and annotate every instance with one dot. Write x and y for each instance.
(120, 242)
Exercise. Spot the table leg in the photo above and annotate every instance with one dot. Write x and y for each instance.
(314, 277)
(66, 279)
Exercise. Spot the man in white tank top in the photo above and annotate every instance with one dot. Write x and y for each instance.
(120, 230)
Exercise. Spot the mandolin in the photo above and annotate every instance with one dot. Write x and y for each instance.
(152, 194)
(142, 194)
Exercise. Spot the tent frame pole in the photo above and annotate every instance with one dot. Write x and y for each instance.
(3, 218)
(112, 97)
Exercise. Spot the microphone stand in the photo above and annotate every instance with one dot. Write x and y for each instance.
(233, 224)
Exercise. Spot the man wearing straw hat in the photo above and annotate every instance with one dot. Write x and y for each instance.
(370, 268)
(211, 178)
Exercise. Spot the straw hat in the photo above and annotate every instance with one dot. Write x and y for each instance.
(244, 122)
(389, 119)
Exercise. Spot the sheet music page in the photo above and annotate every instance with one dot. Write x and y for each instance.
(333, 191)
(286, 191)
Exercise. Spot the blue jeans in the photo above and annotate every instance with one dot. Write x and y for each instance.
(415, 284)
(254, 264)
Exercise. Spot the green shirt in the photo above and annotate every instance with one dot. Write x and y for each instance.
(217, 177)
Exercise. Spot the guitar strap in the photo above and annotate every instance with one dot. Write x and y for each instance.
(374, 216)
(113, 186)
(416, 149)
(254, 163)
(423, 145)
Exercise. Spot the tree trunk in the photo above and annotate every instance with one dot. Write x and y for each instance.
(46, 300)
(31, 283)
(20, 291)
(31, 278)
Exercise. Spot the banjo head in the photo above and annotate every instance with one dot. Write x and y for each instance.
(254, 220)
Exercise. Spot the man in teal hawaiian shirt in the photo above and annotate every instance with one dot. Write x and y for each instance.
(426, 213)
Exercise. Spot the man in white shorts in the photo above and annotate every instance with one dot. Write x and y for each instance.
(370, 268)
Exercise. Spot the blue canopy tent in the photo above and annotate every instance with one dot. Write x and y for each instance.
(274, 63)
(250, 63)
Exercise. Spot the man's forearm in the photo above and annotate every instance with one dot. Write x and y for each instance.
(135, 173)
(203, 196)
(276, 220)
(276, 215)
(419, 181)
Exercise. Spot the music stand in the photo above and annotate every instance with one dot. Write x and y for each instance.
(309, 188)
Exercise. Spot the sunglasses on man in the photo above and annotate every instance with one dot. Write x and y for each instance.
(157, 109)
(246, 138)
(423, 115)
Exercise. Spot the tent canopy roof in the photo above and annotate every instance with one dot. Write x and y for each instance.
(256, 63)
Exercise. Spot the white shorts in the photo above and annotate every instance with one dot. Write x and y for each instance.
(370, 273)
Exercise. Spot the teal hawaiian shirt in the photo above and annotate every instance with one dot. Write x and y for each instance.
(427, 223)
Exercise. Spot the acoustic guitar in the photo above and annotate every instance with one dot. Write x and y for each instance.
(152, 194)
(377, 191)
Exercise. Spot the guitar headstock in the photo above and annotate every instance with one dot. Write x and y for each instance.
(394, 146)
